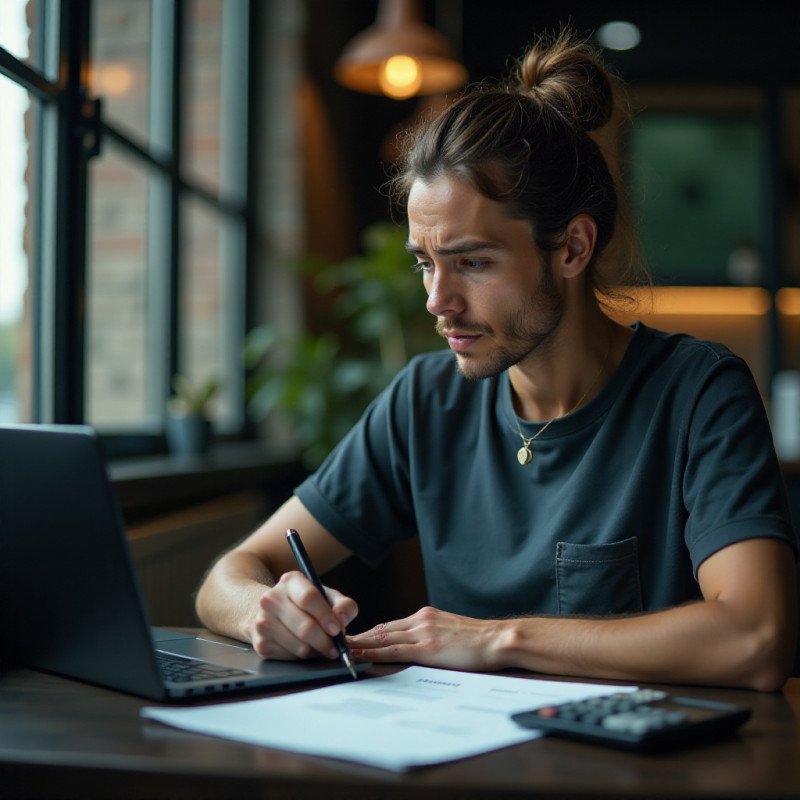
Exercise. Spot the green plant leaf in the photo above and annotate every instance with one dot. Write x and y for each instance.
(372, 309)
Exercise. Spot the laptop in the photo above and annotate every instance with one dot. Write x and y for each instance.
(70, 601)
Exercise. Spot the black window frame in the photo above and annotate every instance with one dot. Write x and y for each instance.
(70, 123)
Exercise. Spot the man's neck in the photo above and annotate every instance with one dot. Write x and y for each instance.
(570, 371)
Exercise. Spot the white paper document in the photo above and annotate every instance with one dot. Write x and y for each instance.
(415, 717)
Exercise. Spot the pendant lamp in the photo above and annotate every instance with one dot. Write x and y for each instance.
(400, 56)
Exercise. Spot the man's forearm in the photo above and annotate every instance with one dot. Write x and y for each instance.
(701, 643)
(228, 599)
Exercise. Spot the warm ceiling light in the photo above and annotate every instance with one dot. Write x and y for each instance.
(400, 77)
(399, 56)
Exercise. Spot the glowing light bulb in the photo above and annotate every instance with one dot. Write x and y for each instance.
(400, 77)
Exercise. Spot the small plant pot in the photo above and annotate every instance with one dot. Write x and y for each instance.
(188, 435)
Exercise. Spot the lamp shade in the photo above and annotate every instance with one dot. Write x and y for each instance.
(399, 56)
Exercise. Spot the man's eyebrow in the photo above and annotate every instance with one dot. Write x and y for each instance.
(467, 246)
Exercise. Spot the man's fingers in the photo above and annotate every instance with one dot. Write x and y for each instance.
(382, 635)
(296, 621)
(286, 621)
(344, 608)
(315, 608)
(271, 639)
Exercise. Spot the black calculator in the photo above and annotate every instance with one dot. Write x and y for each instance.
(644, 720)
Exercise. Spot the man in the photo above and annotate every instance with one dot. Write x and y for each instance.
(591, 500)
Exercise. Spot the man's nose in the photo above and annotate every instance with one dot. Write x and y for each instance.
(444, 297)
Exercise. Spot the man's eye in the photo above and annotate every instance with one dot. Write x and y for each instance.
(421, 266)
(473, 263)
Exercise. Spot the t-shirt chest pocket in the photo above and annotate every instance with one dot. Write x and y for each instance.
(598, 579)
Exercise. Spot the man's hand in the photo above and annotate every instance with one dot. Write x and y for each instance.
(295, 621)
(433, 638)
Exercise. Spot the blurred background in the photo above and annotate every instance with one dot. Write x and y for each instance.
(194, 223)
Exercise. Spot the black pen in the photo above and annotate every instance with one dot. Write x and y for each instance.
(304, 562)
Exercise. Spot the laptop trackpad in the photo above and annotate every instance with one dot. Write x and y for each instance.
(232, 655)
(163, 635)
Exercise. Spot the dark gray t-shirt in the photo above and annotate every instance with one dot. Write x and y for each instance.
(622, 502)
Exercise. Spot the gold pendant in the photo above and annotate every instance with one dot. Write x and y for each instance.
(524, 455)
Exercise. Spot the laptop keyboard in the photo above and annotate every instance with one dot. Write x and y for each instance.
(178, 669)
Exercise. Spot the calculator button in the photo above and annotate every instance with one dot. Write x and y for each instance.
(646, 696)
(619, 722)
(632, 722)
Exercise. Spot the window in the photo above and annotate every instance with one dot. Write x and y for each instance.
(125, 224)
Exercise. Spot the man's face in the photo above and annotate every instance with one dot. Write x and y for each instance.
(490, 289)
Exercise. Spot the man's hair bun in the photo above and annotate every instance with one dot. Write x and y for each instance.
(566, 74)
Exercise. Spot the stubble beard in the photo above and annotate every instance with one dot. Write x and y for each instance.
(529, 327)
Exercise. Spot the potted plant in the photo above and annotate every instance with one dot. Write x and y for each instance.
(370, 318)
(188, 422)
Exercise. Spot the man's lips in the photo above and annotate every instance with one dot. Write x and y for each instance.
(460, 342)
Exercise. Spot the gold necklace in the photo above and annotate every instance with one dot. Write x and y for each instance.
(524, 454)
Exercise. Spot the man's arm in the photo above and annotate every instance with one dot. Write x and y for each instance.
(742, 633)
(255, 592)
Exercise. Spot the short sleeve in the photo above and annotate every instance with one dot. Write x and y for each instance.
(732, 486)
(361, 494)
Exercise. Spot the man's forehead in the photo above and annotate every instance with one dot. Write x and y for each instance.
(445, 220)
(455, 203)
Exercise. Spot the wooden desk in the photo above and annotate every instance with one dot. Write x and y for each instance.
(64, 739)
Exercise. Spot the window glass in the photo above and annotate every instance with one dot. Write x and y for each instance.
(15, 323)
(121, 54)
(116, 333)
(14, 30)
(200, 309)
(202, 95)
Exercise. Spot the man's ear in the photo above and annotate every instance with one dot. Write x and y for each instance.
(579, 248)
